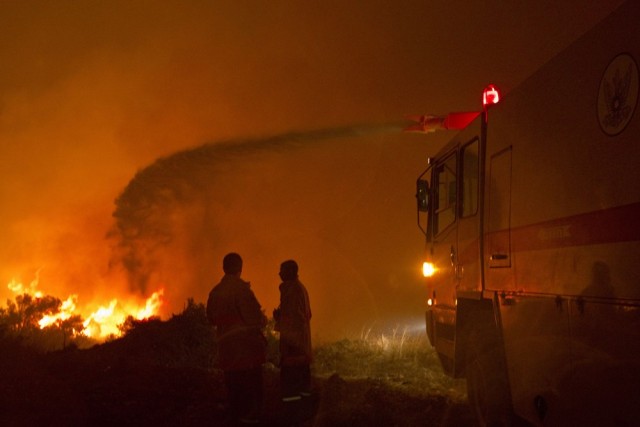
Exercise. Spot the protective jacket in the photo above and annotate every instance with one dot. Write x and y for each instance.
(293, 323)
(235, 312)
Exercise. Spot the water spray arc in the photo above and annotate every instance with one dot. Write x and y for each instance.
(194, 180)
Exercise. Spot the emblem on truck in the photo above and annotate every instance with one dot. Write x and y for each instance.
(618, 94)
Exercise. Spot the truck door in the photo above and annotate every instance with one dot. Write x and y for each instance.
(443, 249)
(445, 233)
(467, 256)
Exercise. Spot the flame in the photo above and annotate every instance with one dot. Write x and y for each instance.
(100, 323)
(67, 310)
(151, 305)
(105, 321)
(18, 288)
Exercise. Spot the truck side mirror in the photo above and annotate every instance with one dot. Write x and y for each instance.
(422, 195)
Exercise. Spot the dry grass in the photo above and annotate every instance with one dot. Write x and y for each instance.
(397, 358)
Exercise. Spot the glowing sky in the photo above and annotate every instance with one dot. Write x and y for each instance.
(92, 92)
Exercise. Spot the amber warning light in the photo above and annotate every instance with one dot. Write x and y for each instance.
(428, 269)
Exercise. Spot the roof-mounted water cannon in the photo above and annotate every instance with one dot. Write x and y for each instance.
(428, 123)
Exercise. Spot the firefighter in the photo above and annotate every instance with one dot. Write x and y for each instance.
(293, 322)
(235, 313)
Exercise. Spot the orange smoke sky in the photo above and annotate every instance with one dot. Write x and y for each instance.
(93, 91)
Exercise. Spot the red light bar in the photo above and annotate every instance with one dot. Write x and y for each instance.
(490, 96)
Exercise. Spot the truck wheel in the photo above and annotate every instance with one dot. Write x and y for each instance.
(487, 387)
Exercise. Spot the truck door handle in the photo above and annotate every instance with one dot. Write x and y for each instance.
(497, 257)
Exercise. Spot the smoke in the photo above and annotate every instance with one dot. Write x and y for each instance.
(147, 207)
(302, 195)
(92, 91)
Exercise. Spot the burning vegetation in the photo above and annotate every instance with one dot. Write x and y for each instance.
(49, 323)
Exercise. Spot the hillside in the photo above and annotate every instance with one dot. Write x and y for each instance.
(163, 373)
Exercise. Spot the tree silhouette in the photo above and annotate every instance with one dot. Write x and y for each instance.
(25, 313)
(21, 319)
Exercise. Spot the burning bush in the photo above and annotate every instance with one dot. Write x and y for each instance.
(33, 321)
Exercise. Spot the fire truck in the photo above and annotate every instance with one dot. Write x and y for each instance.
(532, 221)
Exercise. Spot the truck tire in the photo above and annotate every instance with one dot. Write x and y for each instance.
(487, 384)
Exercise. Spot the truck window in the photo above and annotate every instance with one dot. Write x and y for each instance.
(444, 210)
(470, 179)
